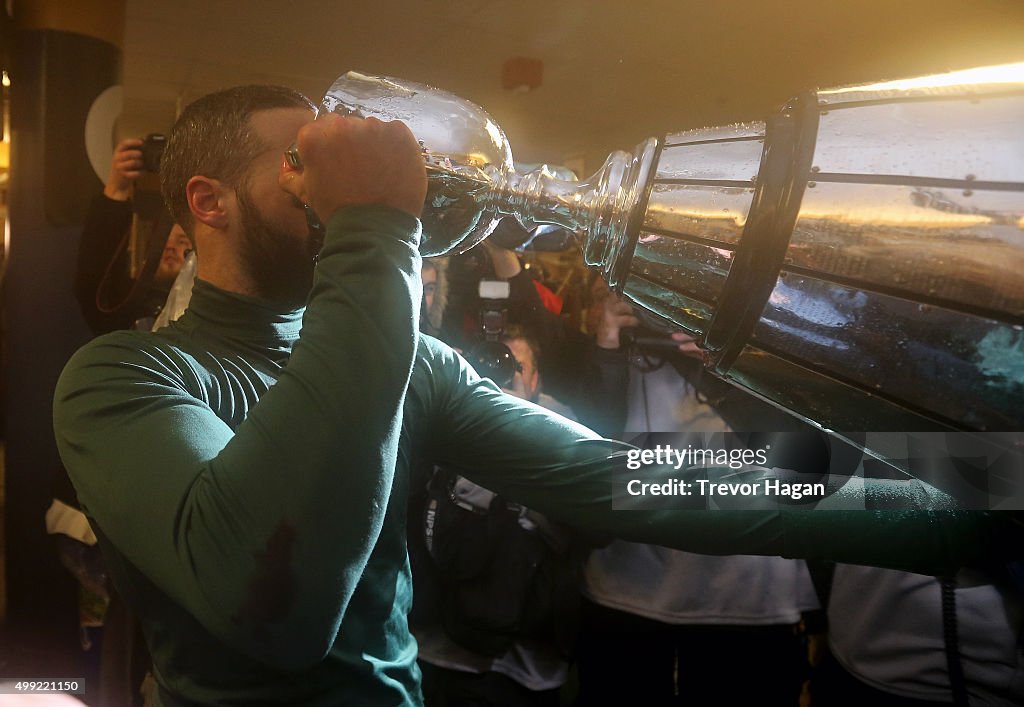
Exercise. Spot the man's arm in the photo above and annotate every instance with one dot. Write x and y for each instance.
(106, 225)
(103, 239)
(606, 369)
(563, 470)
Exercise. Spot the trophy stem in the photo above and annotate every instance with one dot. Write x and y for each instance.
(598, 210)
(538, 197)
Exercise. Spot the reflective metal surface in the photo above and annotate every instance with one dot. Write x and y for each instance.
(984, 80)
(898, 299)
(956, 138)
(697, 207)
(706, 213)
(736, 160)
(693, 269)
(920, 356)
(679, 309)
(931, 244)
(718, 132)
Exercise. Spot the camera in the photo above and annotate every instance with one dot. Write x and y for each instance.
(152, 150)
(490, 357)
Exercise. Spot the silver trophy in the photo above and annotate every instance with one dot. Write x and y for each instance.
(856, 259)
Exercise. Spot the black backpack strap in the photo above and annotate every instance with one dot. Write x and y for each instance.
(951, 639)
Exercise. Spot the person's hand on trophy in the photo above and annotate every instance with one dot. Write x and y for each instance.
(615, 316)
(345, 161)
(687, 345)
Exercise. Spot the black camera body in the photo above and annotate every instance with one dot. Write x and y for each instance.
(490, 357)
(152, 150)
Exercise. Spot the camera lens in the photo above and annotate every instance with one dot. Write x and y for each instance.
(494, 360)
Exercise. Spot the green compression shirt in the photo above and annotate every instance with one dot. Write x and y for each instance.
(249, 487)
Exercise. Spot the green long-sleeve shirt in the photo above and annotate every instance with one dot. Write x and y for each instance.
(249, 485)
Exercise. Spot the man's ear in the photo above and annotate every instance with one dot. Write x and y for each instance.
(207, 200)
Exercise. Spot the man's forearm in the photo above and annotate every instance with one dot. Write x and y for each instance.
(565, 472)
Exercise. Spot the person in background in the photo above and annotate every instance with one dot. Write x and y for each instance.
(527, 382)
(535, 307)
(664, 627)
(900, 639)
(435, 295)
(495, 605)
(108, 296)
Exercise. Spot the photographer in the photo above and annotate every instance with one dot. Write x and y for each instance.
(496, 606)
(528, 302)
(109, 296)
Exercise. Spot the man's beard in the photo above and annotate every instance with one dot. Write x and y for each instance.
(280, 265)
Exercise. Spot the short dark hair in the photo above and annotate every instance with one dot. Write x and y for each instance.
(514, 330)
(213, 137)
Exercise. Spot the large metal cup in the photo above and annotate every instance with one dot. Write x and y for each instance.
(858, 259)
